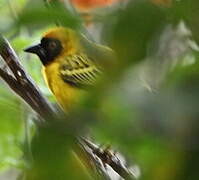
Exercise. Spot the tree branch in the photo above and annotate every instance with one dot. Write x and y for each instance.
(22, 84)
(12, 83)
(107, 157)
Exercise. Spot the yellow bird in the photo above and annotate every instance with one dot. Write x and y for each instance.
(71, 63)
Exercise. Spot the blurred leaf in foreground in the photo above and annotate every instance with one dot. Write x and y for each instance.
(10, 129)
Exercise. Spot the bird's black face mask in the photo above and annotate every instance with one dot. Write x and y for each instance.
(47, 50)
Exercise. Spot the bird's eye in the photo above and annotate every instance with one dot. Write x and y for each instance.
(52, 45)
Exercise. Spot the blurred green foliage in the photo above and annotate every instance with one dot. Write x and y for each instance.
(11, 130)
(155, 128)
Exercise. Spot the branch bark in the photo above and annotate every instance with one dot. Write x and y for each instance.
(108, 158)
(22, 84)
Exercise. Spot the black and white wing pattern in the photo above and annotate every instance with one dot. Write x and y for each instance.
(79, 71)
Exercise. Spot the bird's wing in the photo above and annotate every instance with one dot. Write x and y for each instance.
(79, 71)
(102, 55)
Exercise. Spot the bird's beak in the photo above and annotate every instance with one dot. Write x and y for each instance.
(33, 49)
(37, 49)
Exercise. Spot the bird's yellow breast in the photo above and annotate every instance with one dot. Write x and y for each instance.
(66, 95)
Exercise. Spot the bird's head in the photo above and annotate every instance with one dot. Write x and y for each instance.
(54, 43)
